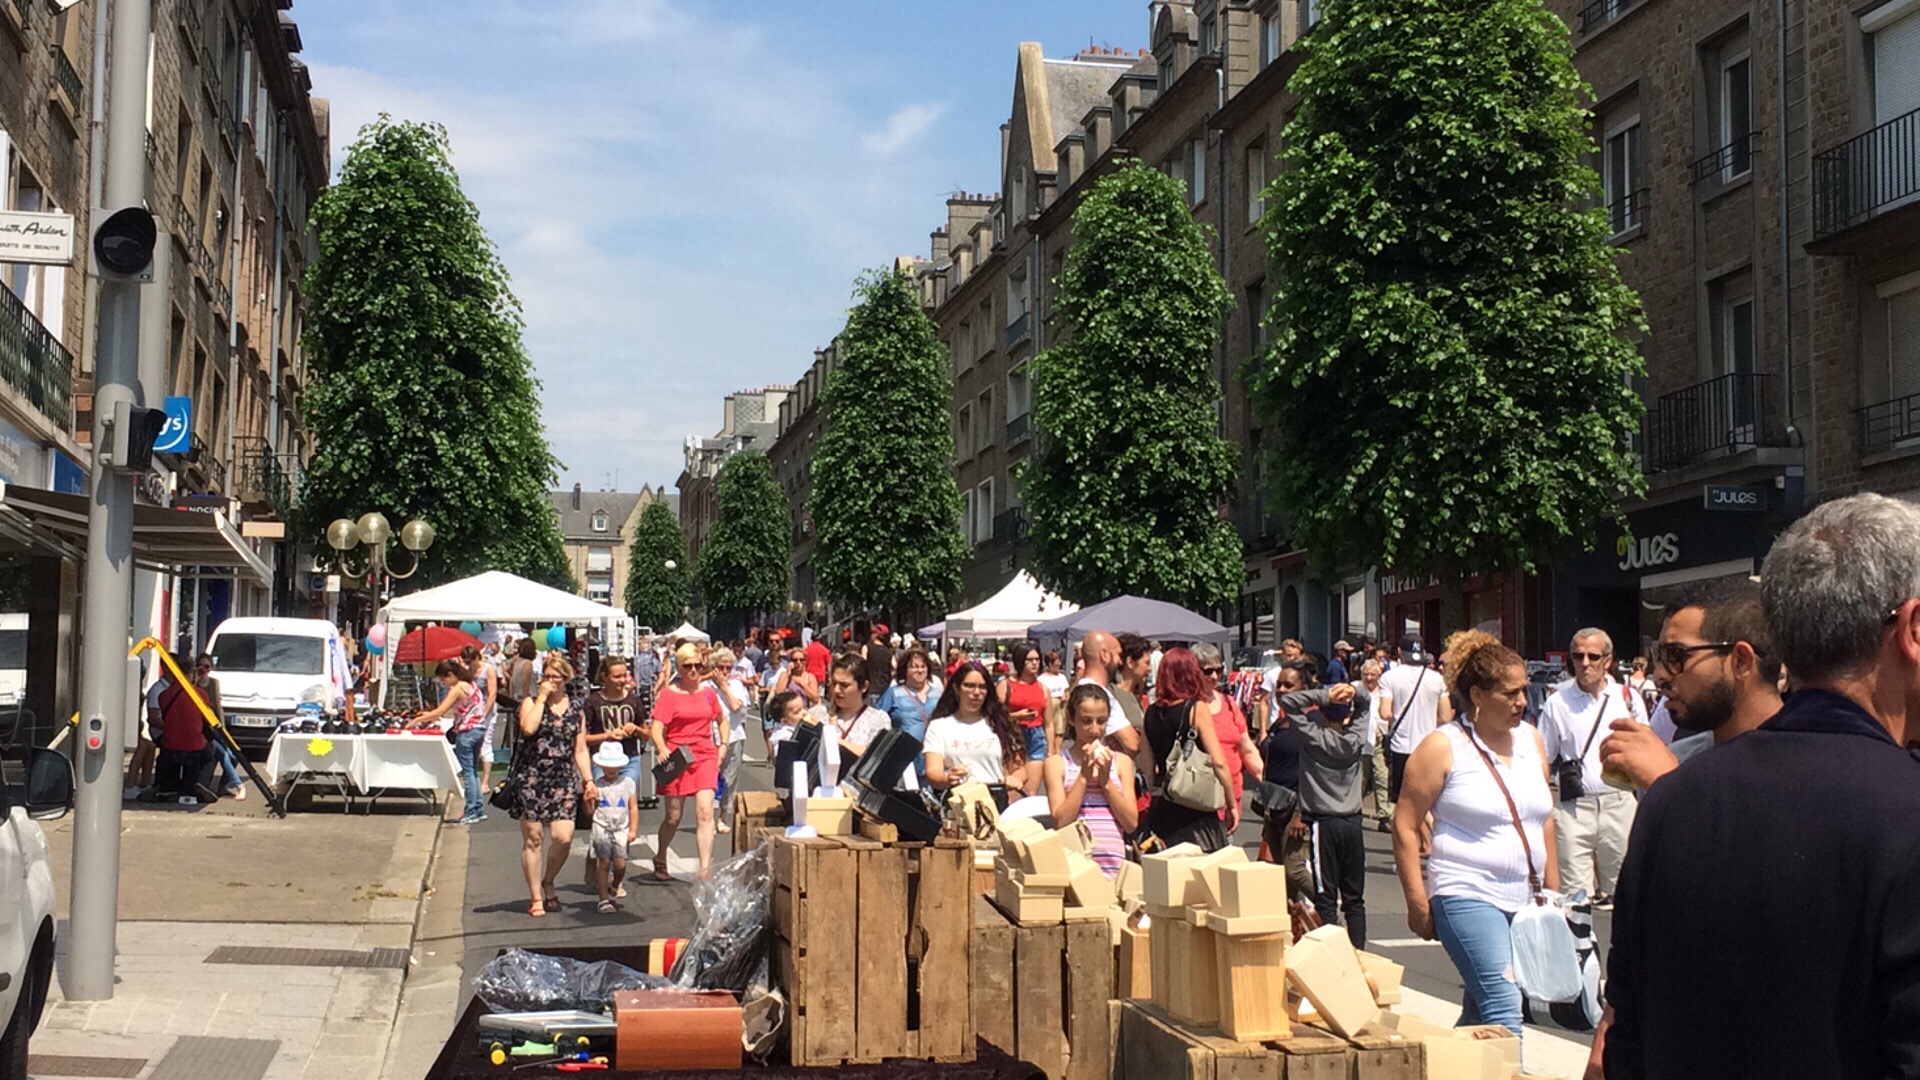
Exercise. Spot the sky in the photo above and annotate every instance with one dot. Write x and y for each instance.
(684, 193)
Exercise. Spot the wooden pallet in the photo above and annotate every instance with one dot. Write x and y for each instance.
(1152, 1045)
(1041, 993)
(871, 947)
(1376, 1056)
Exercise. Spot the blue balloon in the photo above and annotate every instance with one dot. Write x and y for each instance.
(557, 637)
(471, 627)
(376, 650)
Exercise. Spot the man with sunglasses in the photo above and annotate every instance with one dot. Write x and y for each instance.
(1592, 819)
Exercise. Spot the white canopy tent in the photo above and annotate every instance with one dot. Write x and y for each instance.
(686, 631)
(1009, 612)
(497, 596)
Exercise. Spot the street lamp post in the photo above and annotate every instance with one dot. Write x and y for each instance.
(374, 534)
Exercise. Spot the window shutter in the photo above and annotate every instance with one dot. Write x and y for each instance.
(1903, 343)
(1896, 68)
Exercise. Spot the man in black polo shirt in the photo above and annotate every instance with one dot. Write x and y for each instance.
(1768, 917)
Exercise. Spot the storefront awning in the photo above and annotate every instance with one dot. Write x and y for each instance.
(163, 539)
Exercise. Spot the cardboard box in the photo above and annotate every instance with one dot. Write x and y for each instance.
(1252, 889)
(1167, 877)
(831, 815)
(676, 1029)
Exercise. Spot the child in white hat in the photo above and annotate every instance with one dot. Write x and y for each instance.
(616, 822)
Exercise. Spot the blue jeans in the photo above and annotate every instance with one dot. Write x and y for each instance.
(466, 750)
(1036, 742)
(229, 768)
(631, 770)
(1479, 940)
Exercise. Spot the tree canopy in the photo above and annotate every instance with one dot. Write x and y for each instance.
(423, 395)
(1448, 389)
(884, 505)
(656, 596)
(745, 560)
(1124, 488)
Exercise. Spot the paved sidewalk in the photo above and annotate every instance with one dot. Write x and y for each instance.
(335, 899)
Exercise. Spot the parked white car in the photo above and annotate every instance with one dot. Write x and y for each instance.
(44, 789)
(268, 668)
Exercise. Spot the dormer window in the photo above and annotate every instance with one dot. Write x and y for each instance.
(600, 521)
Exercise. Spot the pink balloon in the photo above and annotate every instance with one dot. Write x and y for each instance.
(378, 635)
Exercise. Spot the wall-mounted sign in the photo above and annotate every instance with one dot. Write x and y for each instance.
(177, 436)
(29, 237)
(1738, 498)
(1647, 552)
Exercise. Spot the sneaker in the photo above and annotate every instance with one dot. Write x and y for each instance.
(1603, 902)
(471, 819)
(132, 793)
(621, 892)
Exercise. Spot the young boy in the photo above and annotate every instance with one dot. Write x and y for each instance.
(616, 823)
(783, 715)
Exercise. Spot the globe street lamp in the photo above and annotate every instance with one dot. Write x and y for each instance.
(373, 533)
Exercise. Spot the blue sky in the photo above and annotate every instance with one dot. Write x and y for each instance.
(685, 192)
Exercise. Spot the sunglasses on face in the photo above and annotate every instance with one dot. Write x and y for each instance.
(1588, 657)
(1673, 656)
(1213, 671)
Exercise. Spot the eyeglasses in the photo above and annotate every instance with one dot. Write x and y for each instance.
(974, 687)
(1214, 671)
(1894, 615)
(1588, 657)
(1674, 656)
(694, 667)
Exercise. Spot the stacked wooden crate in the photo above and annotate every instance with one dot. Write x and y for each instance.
(871, 947)
(1041, 991)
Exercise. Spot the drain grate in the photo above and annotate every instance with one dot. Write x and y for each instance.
(261, 956)
(195, 1057)
(80, 1065)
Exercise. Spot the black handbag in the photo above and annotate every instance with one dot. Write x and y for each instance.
(1569, 775)
(506, 797)
(669, 769)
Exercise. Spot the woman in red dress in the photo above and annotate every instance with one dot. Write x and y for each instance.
(684, 714)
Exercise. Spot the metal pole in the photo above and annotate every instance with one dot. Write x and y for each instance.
(104, 634)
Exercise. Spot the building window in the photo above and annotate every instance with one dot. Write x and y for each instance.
(963, 438)
(1209, 37)
(1620, 177)
(1736, 118)
(1165, 76)
(1257, 317)
(983, 513)
(983, 421)
(1736, 336)
(1256, 182)
(1196, 169)
(1269, 37)
(599, 560)
(599, 521)
(1309, 15)
(1896, 60)
(1890, 380)
(1019, 404)
(600, 590)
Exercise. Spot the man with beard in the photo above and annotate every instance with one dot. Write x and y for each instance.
(1719, 675)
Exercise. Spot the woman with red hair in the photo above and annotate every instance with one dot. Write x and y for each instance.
(1179, 717)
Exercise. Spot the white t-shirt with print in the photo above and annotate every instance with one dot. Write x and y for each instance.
(971, 744)
(1116, 717)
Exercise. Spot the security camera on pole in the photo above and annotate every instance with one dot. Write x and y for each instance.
(123, 434)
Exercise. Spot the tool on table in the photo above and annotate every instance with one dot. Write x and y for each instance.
(572, 1057)
(597, 1064)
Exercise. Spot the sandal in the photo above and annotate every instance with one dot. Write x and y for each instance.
(660, 870)
(536, 909)
(552, 900)
(607, 908)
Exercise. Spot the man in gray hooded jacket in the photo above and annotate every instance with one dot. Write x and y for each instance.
(1334, 753)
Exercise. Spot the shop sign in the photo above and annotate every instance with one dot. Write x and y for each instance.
(29, 237)
(1737, 498)
(177, 435)
(1647, 552)
(68, 476)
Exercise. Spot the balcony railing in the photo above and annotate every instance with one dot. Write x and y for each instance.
(69, 79)
(1628, 212)
(1720, 416)
(1731, 160)
(1018, 329)
(1890, 425)
(1601, 12)
(1019, 427)
(34, 362)
(261, 475)
(1867, 175)
(1010, 526)
(188, 225)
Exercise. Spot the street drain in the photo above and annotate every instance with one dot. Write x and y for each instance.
(261, 956)
(195, 1057)
(79, 1065)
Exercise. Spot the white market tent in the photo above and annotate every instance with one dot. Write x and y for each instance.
(686, 631)
(1009, 612)
(497, 596)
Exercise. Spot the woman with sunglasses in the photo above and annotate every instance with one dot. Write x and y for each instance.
(970, 738)
(551, 774)
(1027, 701)
(795, 677)
(684, 714)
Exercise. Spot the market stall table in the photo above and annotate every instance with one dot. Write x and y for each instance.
(364, 766)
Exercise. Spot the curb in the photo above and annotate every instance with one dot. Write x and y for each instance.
(426, 888)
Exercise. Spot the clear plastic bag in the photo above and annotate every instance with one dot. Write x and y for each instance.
(732, 910)
(1546, 961)
(522, 981)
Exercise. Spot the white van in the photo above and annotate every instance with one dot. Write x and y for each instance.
(13, 658)
(268, 668)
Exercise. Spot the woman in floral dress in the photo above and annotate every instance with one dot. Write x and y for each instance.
(551, 773)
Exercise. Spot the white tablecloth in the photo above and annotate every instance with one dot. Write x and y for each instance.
(370, 762)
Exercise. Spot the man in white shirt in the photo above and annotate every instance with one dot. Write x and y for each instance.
(1101, 651)
(1412, 701)
(1591, 830)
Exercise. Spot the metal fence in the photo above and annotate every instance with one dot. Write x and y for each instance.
(1889, 424)
(1867, 175)
(1723, 415)
(34, 362)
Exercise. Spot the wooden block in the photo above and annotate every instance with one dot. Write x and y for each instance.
(1323, 967)
(1252, 974)
(1193, 991)
(1312, 1054)
(815, 889)
(1128, 885)
(1383, 975)
(1160, 946)
(1044, 855)
(1074, 913)
(1448, 1058)
(940, 927)
(1039, 998)
(1207, 869)
(990, 956)
(755, 813)
(1252, 890)
(1169, 914)
(1155, 1046)
(1076, 838)
(880, 1017)
(1133, 963)
(676, 1029)
(983, 881)
(1029, 906)
(872, 828)
(1089, 986)
(1381, 1055)
(1166, 876)
(1492, 1035)
(1245, 925)
(1015, 828)
(830, 815)
(1087, 884)
(1404, 1024)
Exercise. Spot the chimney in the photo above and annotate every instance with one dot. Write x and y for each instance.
(576, 496)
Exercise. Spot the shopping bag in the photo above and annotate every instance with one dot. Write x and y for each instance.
(1546, 962)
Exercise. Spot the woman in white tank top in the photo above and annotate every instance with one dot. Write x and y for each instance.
(1481, 869)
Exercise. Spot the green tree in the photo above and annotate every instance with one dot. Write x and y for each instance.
(655, 595)
(423, 395)
(884, 506)
(1448, 388)
(1124, 487)
(744, 562)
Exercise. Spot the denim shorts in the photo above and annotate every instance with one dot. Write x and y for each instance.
(1036, 742)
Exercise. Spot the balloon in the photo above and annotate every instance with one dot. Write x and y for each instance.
(377, 637)
(557, 637)
(374, 649)
(471, 627)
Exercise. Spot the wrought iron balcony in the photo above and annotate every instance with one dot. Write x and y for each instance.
(1019, 428)
(187, 224)
(69, 79)
(1867, 176)
(1010, 526)
(1600, 13)
(1628, 212)
(34, 362)
(1718, 417)
(1890, 425)
(1018, 329)
(1731, 160)
(262, 476)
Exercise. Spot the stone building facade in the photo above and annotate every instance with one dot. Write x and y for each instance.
(597, 529)
(799, 421)
(750, 421)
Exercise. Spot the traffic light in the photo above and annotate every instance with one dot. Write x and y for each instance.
(130, 443)
(123, 245)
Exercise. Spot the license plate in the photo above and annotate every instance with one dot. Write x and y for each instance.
(253, 721)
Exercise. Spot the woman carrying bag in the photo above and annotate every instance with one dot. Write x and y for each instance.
(1182, 760)
(1484, 780)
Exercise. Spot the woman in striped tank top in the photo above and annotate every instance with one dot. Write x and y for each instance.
(1088, 782)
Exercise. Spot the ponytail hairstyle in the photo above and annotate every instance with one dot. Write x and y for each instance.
(454, 668)
(1475, 660)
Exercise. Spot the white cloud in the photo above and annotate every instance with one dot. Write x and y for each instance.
(903, 127)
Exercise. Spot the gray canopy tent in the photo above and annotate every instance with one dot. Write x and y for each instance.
(1153, 619)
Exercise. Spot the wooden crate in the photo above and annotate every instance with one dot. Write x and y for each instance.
(1041, 993)
(1380, 1055)
(871, 947)
(1315, 1054)
(1152, 1045)
(756, 813)
(1252, 995)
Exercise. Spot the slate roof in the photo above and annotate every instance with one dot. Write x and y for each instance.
(618, 505)
(1074, 87)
